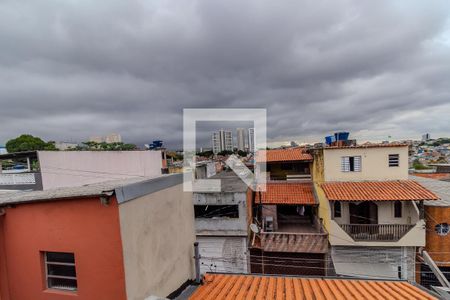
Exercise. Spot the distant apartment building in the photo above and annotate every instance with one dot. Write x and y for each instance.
(43, 170)
(222, 140)
(242, 140)
(127, 239)
(291, 238)
(426, 137)
(221, 226)
(251, 140)
(374, 214)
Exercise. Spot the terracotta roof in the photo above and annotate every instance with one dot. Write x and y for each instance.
(377, 191)
(287, 193)
(367, 145)
(225, 286)
(295, 242)
(437, 176)
(281, 155)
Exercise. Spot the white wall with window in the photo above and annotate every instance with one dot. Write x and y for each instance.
(386, 212)
(362, 164)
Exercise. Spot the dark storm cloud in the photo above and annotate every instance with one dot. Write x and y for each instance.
(72, 69)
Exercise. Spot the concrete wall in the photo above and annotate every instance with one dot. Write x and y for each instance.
(375, 262)
(318, 177)
(75, 168)
(223, 254)
(385, 213)
(157, 235)
(374, 164)
(228, 226)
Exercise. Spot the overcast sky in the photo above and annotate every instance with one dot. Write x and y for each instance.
(72, 69)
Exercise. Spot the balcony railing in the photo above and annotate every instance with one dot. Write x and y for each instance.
(376, 232)
(17, 179)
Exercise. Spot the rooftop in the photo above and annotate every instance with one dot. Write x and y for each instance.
(287, 193)
(125, 189)
(367, 145)
(283, 155)
(403, 190)
(439, 187)
(230, 182)
(226, 286)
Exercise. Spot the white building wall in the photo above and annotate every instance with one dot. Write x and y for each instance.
(385, 213)
(75, 168)
(374, 164)
(375, 262)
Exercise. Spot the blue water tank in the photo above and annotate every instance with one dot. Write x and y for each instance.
(329, 139)
(341, 136)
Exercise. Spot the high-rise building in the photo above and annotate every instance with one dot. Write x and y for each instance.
(426, 137)
(222, 140)
(251, 140)
(242, 141)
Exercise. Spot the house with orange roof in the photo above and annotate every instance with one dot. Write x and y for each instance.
(291, 238)
(227, 286)
(373, 213)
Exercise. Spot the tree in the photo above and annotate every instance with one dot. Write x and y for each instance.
(94, 146)
(27, 142)
(242, 153)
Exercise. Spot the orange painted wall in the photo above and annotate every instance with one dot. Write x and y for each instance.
(84, 227)
(437, 246)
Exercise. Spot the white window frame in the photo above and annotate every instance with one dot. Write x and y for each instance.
(357, 163)
(48, 276)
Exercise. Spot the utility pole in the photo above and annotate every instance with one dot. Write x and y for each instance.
(197, 263)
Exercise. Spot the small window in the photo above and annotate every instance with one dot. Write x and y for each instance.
(442, 229)
(397, 209)
(351, 164)
(337, 209)
(394, 160)
(216, 211)
(60, 271)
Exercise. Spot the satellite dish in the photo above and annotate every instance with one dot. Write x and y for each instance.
(254, 228)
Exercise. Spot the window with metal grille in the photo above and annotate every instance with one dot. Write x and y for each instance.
(394, 160)
(60, 271)
(351, 164)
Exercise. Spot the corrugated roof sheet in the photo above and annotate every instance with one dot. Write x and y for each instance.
(403, 190)
(225, 286)
(282, 155)
(89, 190)
(439, 187)
(287, 193)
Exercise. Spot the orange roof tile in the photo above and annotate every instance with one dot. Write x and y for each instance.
(287, 193)
(377, 191)
(280, 155)
(227, 286)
